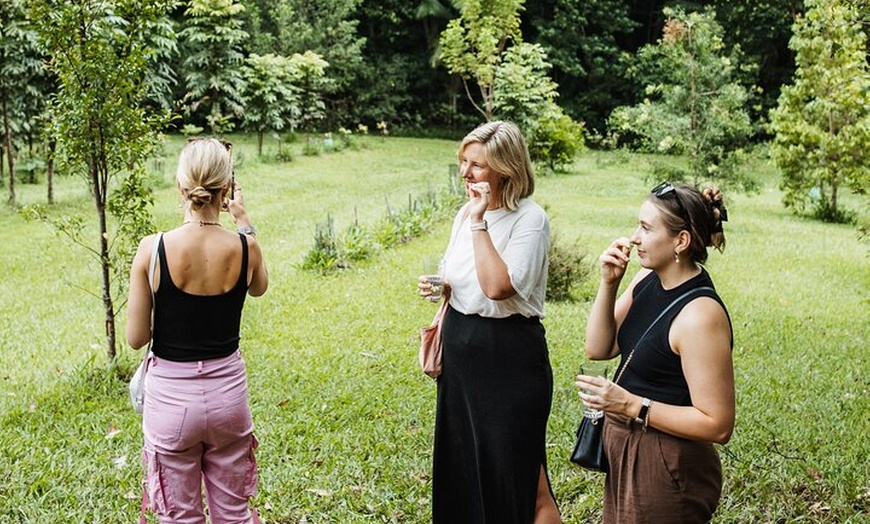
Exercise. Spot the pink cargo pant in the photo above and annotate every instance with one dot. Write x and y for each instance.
(199, 431)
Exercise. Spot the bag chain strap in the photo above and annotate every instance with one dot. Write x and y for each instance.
(654, 322)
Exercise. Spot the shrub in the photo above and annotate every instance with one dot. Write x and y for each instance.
(323, 256)
(569, 269)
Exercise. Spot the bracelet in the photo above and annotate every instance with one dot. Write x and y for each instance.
(646, 418)
(644, 411)
(248, 230)
(479, 226)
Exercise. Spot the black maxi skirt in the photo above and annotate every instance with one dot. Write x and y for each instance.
(494, 398)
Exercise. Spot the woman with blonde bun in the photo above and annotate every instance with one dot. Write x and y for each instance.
(197, 422)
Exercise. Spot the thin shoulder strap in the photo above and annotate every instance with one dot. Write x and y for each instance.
(654, 322)
(152, 263)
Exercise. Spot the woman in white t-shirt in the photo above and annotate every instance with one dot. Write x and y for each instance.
(496, 387)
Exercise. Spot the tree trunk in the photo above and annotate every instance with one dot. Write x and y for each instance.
(49, 169)
(99, 190)
(259, 142)
(10, 151)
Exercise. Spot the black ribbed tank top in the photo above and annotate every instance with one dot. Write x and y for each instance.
(197, 327)
(655, 371)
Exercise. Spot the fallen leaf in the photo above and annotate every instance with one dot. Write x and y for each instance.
(320, 492)
(112, 431)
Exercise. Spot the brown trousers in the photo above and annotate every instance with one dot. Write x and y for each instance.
(658, 478)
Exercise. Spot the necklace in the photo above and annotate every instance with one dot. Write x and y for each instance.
(201, 223)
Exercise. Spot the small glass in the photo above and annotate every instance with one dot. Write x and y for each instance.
(594, 369)
(432, 273)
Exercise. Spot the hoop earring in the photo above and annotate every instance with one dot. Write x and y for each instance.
(677, 256)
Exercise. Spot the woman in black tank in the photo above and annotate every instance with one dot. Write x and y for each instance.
(675, 396)
(197, 425)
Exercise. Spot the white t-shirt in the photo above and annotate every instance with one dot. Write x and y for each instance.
(522, 239)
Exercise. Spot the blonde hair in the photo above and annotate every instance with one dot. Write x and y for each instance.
(506, 153)
(205, 168)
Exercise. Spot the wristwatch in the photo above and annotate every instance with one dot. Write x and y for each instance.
(248, 230)
(479, 226)
(644, 409)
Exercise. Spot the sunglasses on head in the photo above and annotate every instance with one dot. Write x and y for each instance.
(666, 190)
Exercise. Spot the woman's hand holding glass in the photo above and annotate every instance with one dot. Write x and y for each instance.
(591, 380)
(431, 284)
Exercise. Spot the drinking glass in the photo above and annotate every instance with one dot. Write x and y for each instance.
(594, 369)
(432, 272)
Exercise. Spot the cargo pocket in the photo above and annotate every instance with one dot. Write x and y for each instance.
(155, 482)
(251, 469)
(163, 424)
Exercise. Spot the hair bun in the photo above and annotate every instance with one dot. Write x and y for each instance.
(199, 196)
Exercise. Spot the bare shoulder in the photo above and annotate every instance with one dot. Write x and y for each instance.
(702, 321)
(143, 253)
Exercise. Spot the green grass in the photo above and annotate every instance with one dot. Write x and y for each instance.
(344, 416)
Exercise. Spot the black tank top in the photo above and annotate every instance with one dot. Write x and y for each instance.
(197, 327)
(655, 371)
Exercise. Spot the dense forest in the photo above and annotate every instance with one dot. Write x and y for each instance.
(382, 57)
(87, 87)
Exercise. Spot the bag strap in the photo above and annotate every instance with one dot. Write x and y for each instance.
(442, 308)
(654, 322)
(152, 265)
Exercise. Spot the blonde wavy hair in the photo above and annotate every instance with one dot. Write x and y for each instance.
(506, 153)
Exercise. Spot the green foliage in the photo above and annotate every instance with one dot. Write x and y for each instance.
(359, 242)
(282, 92)
(569, 273)
(100, 53)
(308, 75)
(527, 96)
(329, 29)
(20, 97)
(212, 40)
(694, 106)
(585, 41)
(512, 79)
(822, 124)
(131, 204)
(323, 256)
(555, 140)
(762, 30)
(473, 45)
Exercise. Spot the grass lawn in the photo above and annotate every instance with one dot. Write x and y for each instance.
(343, 414)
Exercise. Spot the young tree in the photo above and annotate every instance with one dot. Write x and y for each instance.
(308, 75)
(473, 46)
(282, 92)
(694, 107)
(527, 96)
(822, 124)
(212, 40)
(330, 29)
(98, 50)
